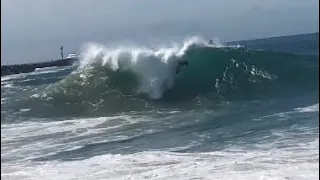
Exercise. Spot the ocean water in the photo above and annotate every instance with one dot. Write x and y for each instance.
(123, 113)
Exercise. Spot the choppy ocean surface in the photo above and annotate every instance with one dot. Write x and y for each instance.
(123, 113)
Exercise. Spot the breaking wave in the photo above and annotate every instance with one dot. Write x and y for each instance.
(126, 78)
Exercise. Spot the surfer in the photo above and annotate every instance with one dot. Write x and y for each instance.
(210, 42)
(180, 64)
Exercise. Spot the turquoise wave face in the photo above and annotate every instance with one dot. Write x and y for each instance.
(241, 73)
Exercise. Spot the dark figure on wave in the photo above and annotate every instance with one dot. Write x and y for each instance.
(181, 64)
(185, 63)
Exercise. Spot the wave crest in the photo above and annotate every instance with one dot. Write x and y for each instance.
(155, 69)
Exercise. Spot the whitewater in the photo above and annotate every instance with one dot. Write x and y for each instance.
(123, 112)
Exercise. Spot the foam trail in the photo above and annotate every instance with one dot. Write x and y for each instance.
(233, 164)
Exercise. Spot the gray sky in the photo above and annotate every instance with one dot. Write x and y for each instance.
(33, 30)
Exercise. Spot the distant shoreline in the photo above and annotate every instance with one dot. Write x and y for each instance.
(26, 68)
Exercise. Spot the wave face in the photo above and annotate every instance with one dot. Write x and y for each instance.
(126, 77)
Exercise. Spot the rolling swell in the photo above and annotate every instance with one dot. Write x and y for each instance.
(130, 79)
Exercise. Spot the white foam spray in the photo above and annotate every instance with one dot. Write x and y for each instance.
(155, 67)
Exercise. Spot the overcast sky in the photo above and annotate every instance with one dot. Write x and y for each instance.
(33, 30)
